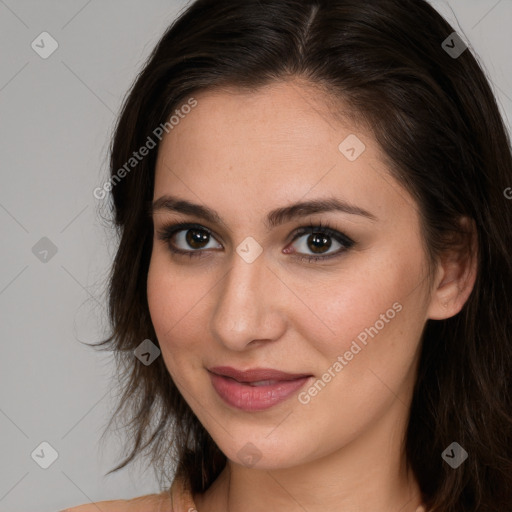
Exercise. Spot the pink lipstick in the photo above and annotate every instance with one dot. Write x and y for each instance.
(255, 389)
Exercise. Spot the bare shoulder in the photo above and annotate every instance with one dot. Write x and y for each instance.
(148, 503)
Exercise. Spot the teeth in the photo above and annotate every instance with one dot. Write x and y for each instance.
(262, 383)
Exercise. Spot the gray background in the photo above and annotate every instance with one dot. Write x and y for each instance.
(57, 115)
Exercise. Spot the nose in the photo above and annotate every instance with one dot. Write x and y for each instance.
(249, 309)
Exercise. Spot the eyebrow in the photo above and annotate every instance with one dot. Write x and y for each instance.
(274, 218)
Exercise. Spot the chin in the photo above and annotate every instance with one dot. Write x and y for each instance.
(255, 451)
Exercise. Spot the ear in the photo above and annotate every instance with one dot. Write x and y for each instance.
(456, 274)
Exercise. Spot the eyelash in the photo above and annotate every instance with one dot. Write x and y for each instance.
(168, 231)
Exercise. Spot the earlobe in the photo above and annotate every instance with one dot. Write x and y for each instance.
(457, 275)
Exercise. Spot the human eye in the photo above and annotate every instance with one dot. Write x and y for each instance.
(194, 236)
(198, 237)
(320, 237)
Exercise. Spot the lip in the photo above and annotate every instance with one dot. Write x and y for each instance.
(235, 388)
(255, 374)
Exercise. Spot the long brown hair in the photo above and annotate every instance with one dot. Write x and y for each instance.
(437, 121)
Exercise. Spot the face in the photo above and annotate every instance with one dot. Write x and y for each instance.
(244, 292)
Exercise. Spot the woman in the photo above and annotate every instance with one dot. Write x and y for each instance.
(313, 268)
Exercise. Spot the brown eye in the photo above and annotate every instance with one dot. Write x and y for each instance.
(196, 238)
(318, 240)
(187, 239)
(318, 243)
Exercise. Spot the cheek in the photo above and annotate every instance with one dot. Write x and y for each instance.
(368, 366)
(161, 293)
(380, 295)
(170, 301)
(177, 298)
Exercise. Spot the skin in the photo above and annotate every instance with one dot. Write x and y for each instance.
(243, 154)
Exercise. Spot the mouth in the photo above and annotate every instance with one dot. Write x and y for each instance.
(255, 389)
(256, 374)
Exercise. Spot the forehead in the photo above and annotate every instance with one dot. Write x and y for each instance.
(278, 116)
(266, 148)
